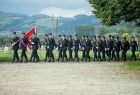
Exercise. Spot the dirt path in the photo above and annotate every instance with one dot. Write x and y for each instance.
(66, 79)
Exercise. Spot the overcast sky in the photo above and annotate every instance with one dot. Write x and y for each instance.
(65, 8)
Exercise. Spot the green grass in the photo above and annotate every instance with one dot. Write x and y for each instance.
(6, 57)
(132, 66)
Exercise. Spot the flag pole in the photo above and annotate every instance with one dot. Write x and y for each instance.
(52, 24)
(57, 26)
(35, 30)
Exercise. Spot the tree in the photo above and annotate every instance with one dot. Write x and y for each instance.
(112, 12)
(4, 41)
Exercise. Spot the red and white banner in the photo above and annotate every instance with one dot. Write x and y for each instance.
(29, 34)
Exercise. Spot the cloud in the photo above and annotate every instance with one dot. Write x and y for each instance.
(69, 13)
(32, 7)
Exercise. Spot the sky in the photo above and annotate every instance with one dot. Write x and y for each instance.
(64, 8)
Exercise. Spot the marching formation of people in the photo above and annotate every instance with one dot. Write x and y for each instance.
(103, 49)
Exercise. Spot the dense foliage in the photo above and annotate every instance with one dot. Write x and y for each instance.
(112, 12)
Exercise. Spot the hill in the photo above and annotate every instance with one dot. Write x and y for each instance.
(10, 22)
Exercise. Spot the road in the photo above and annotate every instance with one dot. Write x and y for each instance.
(91, 78)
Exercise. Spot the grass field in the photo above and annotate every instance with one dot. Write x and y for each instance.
(132, 66)
(7, 56)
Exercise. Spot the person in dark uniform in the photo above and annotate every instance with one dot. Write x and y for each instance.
(52, 45)
(125, 48)
(15, 47)
(104, 48)
(60, 57)
(70, 47)
(133, 47)
(110, 48)
(88, 47)
(46, 43)
(64, 47)
(100, 47)
(35, 42)
(114, 49)
(83, 45)
(76, 48)
(23, 46)
(95, 48)
(118, 48)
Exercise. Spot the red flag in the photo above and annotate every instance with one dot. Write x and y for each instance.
(29, 34)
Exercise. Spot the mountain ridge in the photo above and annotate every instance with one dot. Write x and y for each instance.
(10, 22)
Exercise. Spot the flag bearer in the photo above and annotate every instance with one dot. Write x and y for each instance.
(23, 46)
